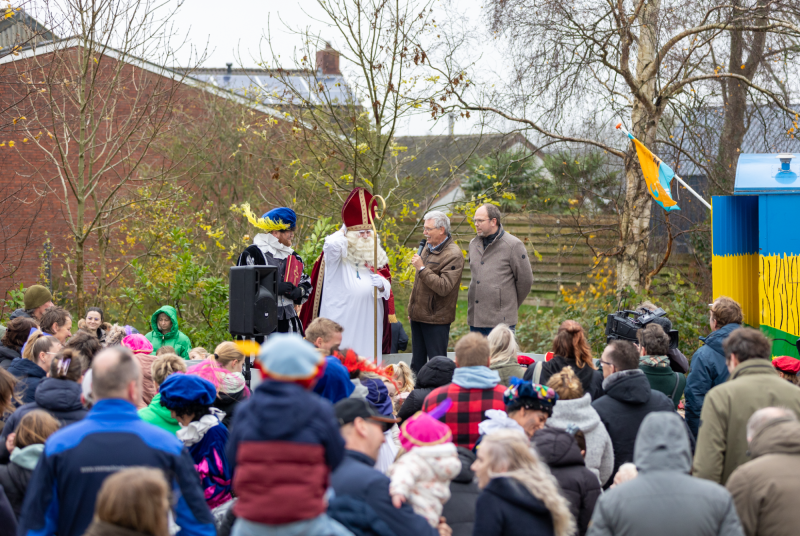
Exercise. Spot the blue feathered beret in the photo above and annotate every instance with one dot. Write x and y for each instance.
(282, 215)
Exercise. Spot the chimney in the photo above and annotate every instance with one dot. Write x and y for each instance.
(230, 67)
(451, 124)
(328, 60)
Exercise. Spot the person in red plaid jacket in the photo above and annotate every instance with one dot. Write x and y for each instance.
(475, 389)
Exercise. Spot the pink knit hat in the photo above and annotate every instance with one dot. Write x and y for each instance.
(138, 344)
(425, 429)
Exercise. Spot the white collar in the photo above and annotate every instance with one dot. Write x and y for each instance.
(268, 243)
(196, 430)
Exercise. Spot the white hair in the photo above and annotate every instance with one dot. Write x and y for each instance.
(763, 416)
(439, 218)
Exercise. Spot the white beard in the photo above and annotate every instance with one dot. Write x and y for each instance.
(362, 250)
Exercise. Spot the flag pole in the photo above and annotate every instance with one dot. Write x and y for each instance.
(680, 180)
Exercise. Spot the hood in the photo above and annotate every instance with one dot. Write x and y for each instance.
(753, 366)
(578, 411)
(19, 313)
(436, 372)
(27, 457)
(557, 448)
(58, 395)
(662, 444)
(285, 404)
(467, 458)
(512, 491)
(716, 338)
(628, 386)
(779, 436)
(172, 314)
(23, 367)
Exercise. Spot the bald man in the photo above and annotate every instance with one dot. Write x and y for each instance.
(76, 459)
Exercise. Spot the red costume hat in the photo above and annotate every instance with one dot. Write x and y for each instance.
(786, 364)
(355, 212)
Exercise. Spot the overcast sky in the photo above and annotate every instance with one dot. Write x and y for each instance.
(234, 32)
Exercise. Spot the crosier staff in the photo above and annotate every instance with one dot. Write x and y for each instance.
(372, 217)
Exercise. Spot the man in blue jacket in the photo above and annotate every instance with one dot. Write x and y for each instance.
(357, 479)
(62, 490)
(708, 362)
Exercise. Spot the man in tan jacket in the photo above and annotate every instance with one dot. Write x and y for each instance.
(753, 384)
(766, 488)
(432, 306)
(501, 273)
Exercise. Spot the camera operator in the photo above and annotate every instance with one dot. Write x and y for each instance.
(677, 361)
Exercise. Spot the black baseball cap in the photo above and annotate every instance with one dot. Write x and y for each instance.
(348, 409)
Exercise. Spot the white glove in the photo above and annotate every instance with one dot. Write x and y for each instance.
(377, 281)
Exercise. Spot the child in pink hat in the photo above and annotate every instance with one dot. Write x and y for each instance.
(423, 473)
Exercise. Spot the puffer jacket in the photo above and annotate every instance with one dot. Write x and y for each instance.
(175, 337)
(559, 450)
(59, 398)
(15, 475)
(7, 355)
(29, 375)
(765, 489)
(722, 442)
(591, 379)
(460, 509)
(435, 293)
(628, 400)
(160, 416)
(663, 500)
(708, 370)
(599, 449)
(435, 373)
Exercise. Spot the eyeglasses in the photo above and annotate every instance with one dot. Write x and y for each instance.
(479, 221)
(51, 353)
(604, 363)
(429, 229)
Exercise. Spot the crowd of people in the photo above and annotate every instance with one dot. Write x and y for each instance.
(110, 432)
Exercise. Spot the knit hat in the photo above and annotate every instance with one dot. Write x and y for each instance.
(138, 344)
(288, 357)
(425, 429)
(282, 215)
(521, 393)
(787, 364)
(36, 296)
(180, 390)
(378, 396)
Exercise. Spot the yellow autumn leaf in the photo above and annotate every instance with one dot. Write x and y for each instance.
(11, 143)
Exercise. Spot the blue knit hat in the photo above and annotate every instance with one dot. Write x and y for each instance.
(180, 390)
(289, 357)
(282, 215)
(378, 396)
(521, 393)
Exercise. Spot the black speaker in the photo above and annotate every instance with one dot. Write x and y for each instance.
(253, 305)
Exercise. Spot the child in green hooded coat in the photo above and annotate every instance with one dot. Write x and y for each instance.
(166, 332)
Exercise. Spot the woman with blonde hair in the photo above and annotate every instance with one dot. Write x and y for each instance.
(519, 496)
(37, 354)
(503, 349)
(571, 349)
(132, 502)
(575, 408)
(232, 388)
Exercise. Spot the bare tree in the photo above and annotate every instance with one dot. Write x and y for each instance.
(98, 102)
(642, 61)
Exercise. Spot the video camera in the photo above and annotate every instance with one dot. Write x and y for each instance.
(621, 326)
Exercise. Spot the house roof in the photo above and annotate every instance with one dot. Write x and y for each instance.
(698, 135)
(430, 160)
(20, 29)
(269, 87)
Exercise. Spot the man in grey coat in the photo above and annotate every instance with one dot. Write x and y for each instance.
(501, 273)
(663, 499)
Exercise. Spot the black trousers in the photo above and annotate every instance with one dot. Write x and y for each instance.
(427, 340)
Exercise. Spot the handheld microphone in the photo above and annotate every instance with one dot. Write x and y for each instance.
(421, 246)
